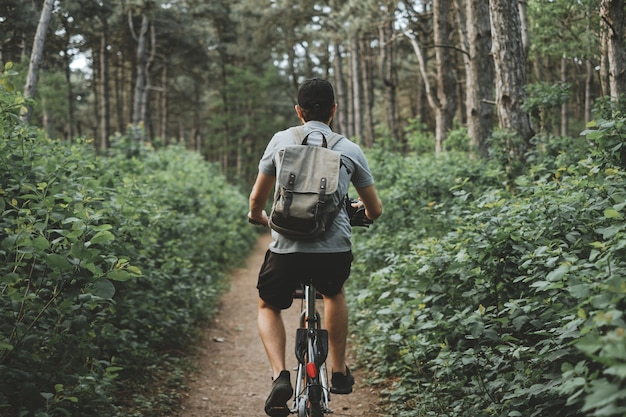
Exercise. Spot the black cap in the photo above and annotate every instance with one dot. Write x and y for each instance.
(316, 94)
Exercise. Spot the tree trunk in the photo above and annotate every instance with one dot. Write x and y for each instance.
(357, 94)
(140, 83)
(510, 72)
(604, 61)
(163, 104)
(446, 81)
(67, 71)
(612, 14)
(589, 90)
(36, 57)
(105, 116)
(368, 95)
(147, 91)
(341, 117)
(120, 102)
(522, 7)
(564, 107)
(422, 59)
(388, 73)
(480, 70)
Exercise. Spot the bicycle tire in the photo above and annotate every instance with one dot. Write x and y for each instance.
(315, 410)
(314, 403)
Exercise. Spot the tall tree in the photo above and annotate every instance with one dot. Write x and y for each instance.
(388, 67)
(36, 56)
(440, 87)
(140, 81)
(105, 116)
(508, 52)
(446, 81)
(612, 14)
(479, 72)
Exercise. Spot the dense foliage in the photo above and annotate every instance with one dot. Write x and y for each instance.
(107, 266)
(494, 297)
(221, 76)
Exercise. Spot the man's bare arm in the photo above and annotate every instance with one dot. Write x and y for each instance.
(371, 201)
(258, 198)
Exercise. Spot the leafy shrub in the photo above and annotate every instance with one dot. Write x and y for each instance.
(512, 305)
(107, 266)
(609, 140)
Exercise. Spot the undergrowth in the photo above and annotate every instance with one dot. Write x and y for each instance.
(108, 265)
(484, 295)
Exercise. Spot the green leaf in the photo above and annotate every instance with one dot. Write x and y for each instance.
(102, 237)
(558, 273)
(609, 232)
(134, 270)
(618, 370)
(5, 346)
(40, 243)
(611, 213)
(103, 288)
(58, 261)
(47, 395)
(119, 275)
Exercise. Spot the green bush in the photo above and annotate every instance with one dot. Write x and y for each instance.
(107, 266)
(496, 303)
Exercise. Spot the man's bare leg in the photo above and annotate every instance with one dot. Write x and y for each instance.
(336, 322)
(272, 332)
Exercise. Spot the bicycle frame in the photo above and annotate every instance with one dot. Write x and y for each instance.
(312, 389)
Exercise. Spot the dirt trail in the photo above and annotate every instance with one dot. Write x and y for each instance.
(235, 376)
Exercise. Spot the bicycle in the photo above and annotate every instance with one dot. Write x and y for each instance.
(312, 390)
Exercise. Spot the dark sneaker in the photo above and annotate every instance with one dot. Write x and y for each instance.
(276, 403)
(340, 383)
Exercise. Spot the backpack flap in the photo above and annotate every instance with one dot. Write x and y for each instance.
(309, 164)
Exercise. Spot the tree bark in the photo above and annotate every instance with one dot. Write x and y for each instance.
(589, 89)
(357, 94)
(604, 61)
(147, 91)
(67, 59)
(163, 103)
(446, 81)
(140, 83)
(522, 7)
(480, 73)
(388, 73)
(368, 94)
(510, 72)
(564, 131)
(612, 14)
(105, 115)
(36, 57)
(341, 116)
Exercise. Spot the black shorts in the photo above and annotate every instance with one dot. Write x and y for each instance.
(281, 275)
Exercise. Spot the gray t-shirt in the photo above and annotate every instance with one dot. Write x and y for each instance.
(354, 169)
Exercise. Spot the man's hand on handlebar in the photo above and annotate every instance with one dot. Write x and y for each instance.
(263, 220)
(356, 213)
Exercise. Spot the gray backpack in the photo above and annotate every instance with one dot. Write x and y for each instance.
(307, 199)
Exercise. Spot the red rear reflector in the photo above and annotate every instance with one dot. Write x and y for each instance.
(311, 370)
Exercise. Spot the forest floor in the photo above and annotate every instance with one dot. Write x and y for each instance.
(234, 376)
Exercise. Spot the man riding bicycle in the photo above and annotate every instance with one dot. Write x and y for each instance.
(326, 259)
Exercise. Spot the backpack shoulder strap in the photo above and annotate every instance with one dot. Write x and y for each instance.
(334, 139)
(298, 134)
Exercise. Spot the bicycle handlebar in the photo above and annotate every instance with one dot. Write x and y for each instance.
(357, 214)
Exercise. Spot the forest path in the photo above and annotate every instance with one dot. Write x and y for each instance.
(234, 375)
